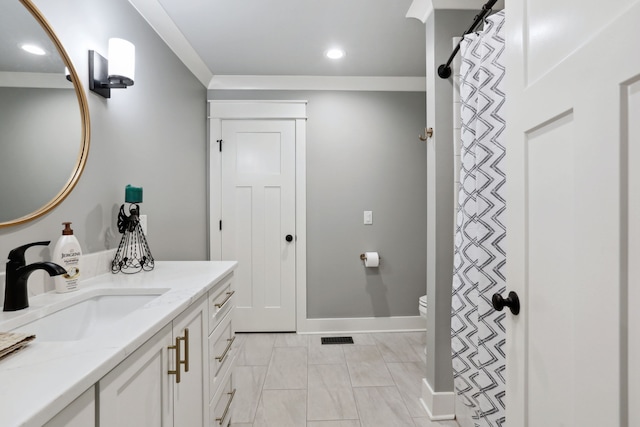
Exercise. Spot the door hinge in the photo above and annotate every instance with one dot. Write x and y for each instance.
(219, 141)
(220, 225)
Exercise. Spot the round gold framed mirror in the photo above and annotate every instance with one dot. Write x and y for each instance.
(44, 117)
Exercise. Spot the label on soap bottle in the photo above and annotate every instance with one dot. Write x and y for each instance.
(71, 263)
(67, 254)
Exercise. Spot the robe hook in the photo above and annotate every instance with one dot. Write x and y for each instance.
(428, 133)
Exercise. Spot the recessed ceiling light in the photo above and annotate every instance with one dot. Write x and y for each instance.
(33, 49)
(335, 53)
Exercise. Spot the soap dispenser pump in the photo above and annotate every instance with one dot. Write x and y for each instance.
(67, 253)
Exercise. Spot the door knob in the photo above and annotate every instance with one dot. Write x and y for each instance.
(289, 238)
(512, 301)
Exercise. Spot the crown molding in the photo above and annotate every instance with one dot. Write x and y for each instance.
(157, 17)
(346, 83)
(422, 9)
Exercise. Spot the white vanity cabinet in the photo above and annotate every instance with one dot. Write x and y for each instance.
(80, 413)
(190, 331)
(137, 393)
(222, 352)
(167, 363)
(163, 383)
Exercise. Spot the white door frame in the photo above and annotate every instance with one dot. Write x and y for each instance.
(248, 110)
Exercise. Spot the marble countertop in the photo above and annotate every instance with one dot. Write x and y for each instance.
(44, 377)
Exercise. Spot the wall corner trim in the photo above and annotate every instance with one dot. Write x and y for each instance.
(439, 405)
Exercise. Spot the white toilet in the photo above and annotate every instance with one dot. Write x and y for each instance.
(422, 306)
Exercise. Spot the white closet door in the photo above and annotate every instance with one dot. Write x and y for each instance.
(258, 216)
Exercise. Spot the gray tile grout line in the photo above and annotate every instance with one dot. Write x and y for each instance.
(351, 382)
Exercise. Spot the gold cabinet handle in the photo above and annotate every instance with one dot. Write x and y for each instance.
(185, 362)
(226, 350)
(224, 414)
(179, 360)
(220, 304)
(176, 347)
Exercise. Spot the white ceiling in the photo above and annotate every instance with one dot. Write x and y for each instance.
(222, 41)
(232, 39)
(17, 26)
(289, 37)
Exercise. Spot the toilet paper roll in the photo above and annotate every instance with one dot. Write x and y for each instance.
(371, 259)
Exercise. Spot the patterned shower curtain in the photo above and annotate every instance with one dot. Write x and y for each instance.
(478, 334)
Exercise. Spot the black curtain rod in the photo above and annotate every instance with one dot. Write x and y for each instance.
(444, 71)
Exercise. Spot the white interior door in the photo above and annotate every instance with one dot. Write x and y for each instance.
(573, 158)
(258, 221)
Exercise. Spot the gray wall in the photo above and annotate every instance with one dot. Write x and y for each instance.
(441, 26)
(40, 137)
(152, 134)
(363, 153)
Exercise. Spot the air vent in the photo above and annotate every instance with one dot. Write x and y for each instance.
(337, 340)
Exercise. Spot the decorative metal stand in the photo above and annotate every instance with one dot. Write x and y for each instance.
(133, 253)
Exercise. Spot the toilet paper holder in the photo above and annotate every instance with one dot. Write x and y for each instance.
(363, 257)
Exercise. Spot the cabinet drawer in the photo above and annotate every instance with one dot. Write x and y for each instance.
(220, 301)
(221, 409)
(222, 349)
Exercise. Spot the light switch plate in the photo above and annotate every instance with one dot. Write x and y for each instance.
(368, 217)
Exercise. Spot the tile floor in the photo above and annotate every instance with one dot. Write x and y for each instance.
(291, 380)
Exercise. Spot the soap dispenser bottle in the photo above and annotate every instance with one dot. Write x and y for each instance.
(67, 253)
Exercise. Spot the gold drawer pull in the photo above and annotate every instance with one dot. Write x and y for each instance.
(224, 414)
(176, 347)
(220, 304)
(226, 350)
(185, 362)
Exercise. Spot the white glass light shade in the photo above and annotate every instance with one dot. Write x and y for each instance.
(122, 59)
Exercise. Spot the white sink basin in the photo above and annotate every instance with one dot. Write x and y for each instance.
(88, 317)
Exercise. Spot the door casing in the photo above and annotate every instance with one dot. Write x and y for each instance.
(261, 110)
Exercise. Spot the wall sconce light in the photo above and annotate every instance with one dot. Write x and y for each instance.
(115, 73)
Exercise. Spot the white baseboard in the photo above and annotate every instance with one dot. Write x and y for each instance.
(363, 324)
(439, 406)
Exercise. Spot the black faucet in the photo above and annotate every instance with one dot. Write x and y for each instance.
(15, 287)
